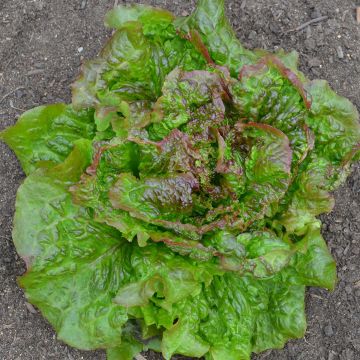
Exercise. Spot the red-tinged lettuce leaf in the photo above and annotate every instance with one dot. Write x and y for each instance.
(47, 134)
(125, 70)
(210, 21)
(309, 195)
(181, 170)
(270, 93)
(166, 196)
(187, 96)
(270, 311)
(76, 267)
(267, 167)
(68, 258)
(261, 254)
(134, 63)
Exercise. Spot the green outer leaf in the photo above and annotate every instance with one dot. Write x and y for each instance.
(47, 134)
(44, 193)
(234, 316)
(313, 261)
(120, 15)
(126, 351)
(129, 347)
(68, 265)
(334, 120)
(284, 319)
(181, 340)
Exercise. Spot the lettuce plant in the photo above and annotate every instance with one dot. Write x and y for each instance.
(172, 206)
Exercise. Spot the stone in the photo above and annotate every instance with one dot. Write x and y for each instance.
(340, 52)
(328, 330)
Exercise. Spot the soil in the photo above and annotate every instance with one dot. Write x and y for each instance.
(42, 44)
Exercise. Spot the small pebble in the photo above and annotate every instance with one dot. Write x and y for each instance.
(30, 308)
(314, 62)
(275, 28)
(20, 94)
(328, 330)
(340, 52)
(332, 24)
(80, 49)
(315, 14)
(347, 354)
(38, 65)
(252, 35)
(348, 289)
(310, 44)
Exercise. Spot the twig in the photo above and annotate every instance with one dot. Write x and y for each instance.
(140, 357)
(303, 26)
(11, 92)
(265, 354)
(14, 107)
(317, 296)
(83, 4)
(7, 64)
(308, 342)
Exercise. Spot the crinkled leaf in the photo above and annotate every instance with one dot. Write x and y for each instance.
(152, 19)
(265, 94)
(47, 134)
(187, 223)
(210, 21)
(334, 120)
(77, 266)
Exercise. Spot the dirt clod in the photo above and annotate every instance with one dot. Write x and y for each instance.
(328, 330)
(340, 52)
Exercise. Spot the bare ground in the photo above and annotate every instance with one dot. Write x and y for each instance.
(42, 44)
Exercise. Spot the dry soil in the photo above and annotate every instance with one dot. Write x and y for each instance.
(42, 44)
